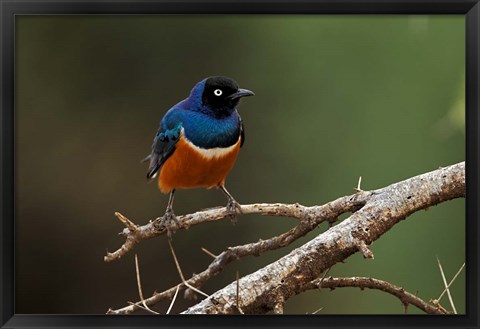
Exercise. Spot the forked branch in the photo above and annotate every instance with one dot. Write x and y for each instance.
(290, 274)
(309, 216)
(374, 213)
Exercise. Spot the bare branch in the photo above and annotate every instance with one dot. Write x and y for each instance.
(379, 211)
(370, 283)
(312, 217)
(328, 212)
(384, 208)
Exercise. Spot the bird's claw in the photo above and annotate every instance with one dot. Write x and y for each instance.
(233, 208)
(171, 223)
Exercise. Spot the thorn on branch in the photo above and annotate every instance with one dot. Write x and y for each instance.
(363, 248)
(211, 254)
(318, 310)
(358, 189)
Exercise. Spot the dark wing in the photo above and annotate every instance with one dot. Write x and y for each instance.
(163, 146)
(242, 133)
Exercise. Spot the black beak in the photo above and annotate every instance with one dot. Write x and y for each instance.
(240, 93)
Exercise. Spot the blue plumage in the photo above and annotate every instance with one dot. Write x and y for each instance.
(204, 126)
(203, 130)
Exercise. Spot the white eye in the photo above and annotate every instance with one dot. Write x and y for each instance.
(218, 92)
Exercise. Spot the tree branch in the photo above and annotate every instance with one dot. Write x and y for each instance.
(311, 217)
(259, 291)
(329, 212)
(371, 283)
(406, 197)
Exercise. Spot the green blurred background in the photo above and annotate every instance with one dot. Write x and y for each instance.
(337, 97)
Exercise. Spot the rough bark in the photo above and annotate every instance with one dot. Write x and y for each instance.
(310, 218)
(260, 291)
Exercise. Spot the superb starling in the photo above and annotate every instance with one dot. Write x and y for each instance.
(198, 141)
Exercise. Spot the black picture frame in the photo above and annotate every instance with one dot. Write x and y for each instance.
(10, 9)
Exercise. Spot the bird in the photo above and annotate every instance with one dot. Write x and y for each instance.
(198, 142)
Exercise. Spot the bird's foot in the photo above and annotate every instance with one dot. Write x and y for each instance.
(171, 223)
(233, 208)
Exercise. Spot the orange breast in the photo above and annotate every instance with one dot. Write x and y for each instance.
(190, 167)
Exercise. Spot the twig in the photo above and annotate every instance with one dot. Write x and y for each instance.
(363, 248)
(127, 222)
(371, 283)
(446, 286)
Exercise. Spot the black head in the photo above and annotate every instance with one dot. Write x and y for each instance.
(222, 93)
